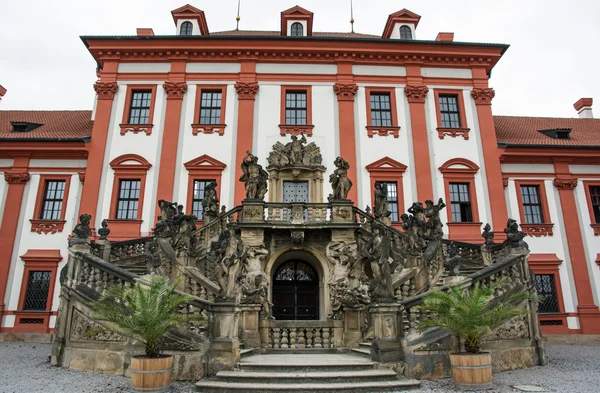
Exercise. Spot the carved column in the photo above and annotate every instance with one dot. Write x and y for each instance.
(345, 95)
(416, 100)
(106, 91)
(587, 311)
(483, 100)
(386, 346)
(170, 138)
(245, 129)
(225, 345)
(10, 222)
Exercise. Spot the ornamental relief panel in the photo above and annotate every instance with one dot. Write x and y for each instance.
(81, 325)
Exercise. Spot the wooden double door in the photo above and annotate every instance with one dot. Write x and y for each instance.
(296, 291)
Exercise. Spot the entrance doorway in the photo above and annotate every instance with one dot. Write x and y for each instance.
(295, 291)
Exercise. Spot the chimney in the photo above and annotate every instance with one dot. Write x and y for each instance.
(2, 92)
(143, 31)
(584, 108)
(448, 37)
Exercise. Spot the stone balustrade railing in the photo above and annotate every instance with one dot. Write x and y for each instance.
(303, 334)
(300, 213)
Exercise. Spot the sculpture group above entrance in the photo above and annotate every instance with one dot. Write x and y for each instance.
(295, 154)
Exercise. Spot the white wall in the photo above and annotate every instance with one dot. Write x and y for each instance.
(591, 242)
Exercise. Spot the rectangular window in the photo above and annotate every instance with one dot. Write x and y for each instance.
(128, 199)
(532, 205)
(198, 197)
(461, 202)
(54, 193)
(545, 285)
(295, 108)
(392, 197)
(449, 111)
(36, 295)
(381, 110)
(595, 197)
(139, 112)
(210, 106)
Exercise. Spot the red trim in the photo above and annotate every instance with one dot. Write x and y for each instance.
(203, 168)
(463, 130)
(49, 226)
(588, 196)
(464, 173)
(389, 170)
(137, 128)
(296, 13)
(199, 128)
(295, 129)
(403, 16)
(537, 230)
(191, 12)
(394, 129)
(548, 264)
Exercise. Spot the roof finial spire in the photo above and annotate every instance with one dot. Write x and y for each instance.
(237, 18)
(351, 16)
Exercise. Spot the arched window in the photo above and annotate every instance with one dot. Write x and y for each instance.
(405, 33)
(297, 29)
(186, 28)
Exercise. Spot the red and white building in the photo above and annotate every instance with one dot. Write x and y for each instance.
(173, 112)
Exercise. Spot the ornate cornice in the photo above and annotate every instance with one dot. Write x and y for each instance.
(345, 92)
(246, 90)
(483, 96)
(565, 184)
(106, 91)
(416, 93)
(175, 90)
(17, 178)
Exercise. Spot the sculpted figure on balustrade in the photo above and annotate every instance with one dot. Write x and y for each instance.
(254, 177)
(210, 203)
(381, 206)
(339, 180)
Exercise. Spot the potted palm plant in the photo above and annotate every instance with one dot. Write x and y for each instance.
(471, 314)
(144, 312)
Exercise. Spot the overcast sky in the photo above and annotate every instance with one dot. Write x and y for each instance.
(554, 58)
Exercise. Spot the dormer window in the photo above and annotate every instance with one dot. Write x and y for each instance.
(405, 33)
(557, 133)
(24, 126)
(297, 30)
(186, 28)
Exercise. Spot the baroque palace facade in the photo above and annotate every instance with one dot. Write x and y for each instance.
(175, 113)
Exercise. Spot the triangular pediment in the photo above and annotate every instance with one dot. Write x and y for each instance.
(296, 10)
(402, 16)
(187, 9)
(205, 161)
(404, 13)
(386, 164)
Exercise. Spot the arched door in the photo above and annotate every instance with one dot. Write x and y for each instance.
(295, 291)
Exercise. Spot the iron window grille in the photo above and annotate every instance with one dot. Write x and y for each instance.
(128, 199)
(381, 110)
(460, 201)
(545, 286)
(449, 111)
(595, 197)
(392, 197)
(36, 294)
(198, 197)
(297, 30)
(210, 107)
(532, 205)
(295, 108)
(186, 28)
(54, 193)
(139, 112)
(405, 33)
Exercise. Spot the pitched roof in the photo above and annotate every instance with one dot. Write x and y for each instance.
(56, 125)
(273, 33)
(518, 130)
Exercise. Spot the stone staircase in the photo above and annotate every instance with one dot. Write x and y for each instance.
(306, 372)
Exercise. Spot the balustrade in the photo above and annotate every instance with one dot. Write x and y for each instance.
(299, 334)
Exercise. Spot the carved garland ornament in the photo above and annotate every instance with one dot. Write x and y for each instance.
(453, 132)
(47, 226)
(246, 90)
(175, 90)
(208, 130)
(136, 129)
(416, 93)
(106, 91)
(17, 178)
(345, 92)
(483, 96)
(537, 230)
(565, 184)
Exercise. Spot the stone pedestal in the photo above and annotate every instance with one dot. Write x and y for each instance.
(253, 210)
(386, 346)
(353, 320)
(341, 211)
(225, 346)
(249, 333)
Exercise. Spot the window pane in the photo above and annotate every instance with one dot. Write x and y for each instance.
(595, 197)
(449, 111)
(544, 284)
(296, 108)
(392, 197)
(210, 107)
(460, 202)
(381, 110)
(297, 30)
(139, 112)
(198, 197)
(36, 295)
(532, 206)
(128, 200)
(186, 28)
(53, 199)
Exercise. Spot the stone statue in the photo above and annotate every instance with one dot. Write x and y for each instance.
(514, 237)
(104, 231)
(210, 203)
(254, 260)
(381, 206)
(339, 179)
(378, 253)
(434, 224)
(345, 286)
(452, 261)
(296, 150)
(295, 153)
(153, 260)
(488, 235)
(415, 227)
(256, 291)
(254, 177)
(230, 251)
(82, 231)
(183, 227)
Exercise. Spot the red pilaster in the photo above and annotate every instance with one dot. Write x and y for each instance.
(16, 178)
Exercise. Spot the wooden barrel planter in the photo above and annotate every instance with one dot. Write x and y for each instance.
(151, 374)
(472, 371)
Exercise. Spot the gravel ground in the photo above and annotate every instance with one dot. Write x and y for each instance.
(24, 368)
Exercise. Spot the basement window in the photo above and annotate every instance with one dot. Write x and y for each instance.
(557, 133)
(24, 126)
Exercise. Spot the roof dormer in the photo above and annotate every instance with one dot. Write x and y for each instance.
(401, 25)
(296, 22)
(190, 21)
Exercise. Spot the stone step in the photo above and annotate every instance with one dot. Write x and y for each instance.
(359, 365)
(362, 351)
(215, 386)
(246, 352)
(365, 345)
(307, 376)
(300, 350)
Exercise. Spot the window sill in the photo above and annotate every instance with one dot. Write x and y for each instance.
(136, 128)
(465, 231)
(208, 129)
(596, 229)
(537, 230)
(47, 226)
(296, 129)
(453, 132)
(383, 131)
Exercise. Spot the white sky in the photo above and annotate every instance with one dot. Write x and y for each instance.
(553, 60)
